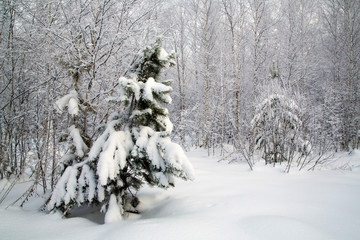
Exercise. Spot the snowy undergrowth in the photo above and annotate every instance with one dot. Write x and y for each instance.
(226, 201)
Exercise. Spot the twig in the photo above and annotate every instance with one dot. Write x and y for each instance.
(8, 190)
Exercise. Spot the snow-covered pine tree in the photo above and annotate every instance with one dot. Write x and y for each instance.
(78, 148)
(75, 63)
(135, 147)
(155, 157)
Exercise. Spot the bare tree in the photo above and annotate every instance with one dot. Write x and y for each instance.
(343, 40)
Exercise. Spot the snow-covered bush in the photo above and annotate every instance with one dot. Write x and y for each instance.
(277, 130)
(134, 148)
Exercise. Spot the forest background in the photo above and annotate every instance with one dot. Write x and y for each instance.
(226, 54)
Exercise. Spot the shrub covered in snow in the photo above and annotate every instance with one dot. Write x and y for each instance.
(277, 130)
(134, 148)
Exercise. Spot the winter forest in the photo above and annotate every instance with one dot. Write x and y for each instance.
(85, 81)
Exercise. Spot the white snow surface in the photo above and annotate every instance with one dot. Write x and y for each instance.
(113, 214)
(131, 85)
(163, 55)
(70, 101)
(225, 201)
(151, 86)
(113, 158)
(79, 144)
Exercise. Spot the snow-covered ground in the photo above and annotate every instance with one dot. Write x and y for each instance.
(226, 201)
